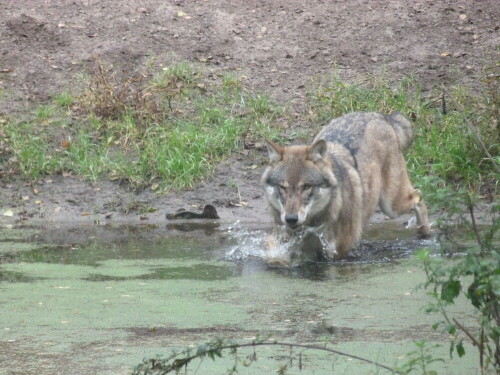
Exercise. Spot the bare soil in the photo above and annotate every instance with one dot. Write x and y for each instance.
(278, 46)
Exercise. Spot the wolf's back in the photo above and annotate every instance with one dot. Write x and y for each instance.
(403, 129)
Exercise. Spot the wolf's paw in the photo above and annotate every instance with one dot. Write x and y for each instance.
(425, 230)
(278, 263)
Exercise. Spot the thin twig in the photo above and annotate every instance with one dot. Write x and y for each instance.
(186, 360)
(443, 104)
(469, 335)
(474, 225)
(481, 351)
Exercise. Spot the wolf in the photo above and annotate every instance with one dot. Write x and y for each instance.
(323, 194)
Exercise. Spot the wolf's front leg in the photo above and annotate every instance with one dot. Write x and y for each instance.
(274, 256)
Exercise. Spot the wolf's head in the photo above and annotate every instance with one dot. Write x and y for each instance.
(300, 184)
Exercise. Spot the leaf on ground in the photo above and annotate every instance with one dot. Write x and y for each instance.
(8, 213)
(241, 204)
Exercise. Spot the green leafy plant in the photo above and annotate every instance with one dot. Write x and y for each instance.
(470, 266)
(420, 360)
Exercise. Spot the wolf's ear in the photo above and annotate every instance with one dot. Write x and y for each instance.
(317, 151)
(275, 151)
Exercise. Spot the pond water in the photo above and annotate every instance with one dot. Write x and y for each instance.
(99, 299)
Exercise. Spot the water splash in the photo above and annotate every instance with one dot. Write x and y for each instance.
(412, 223)
(276, 247)
(250, 244)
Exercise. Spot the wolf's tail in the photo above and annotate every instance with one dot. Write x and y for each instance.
(403, 128)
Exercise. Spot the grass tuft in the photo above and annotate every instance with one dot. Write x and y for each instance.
(64, 100)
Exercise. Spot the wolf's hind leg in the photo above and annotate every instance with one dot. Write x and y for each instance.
(413, 203)
(421, 213)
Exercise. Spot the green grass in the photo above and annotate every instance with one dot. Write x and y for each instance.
(168, 128)
(44, 112)
(64, 99)
(165, 129)
(33, 156)
(444, 146)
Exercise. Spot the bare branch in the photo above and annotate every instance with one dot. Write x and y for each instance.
(469, 335)
(217, 347)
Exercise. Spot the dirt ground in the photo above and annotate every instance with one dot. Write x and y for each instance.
(278, 46)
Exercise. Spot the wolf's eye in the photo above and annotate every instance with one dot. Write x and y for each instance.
(307, 187)
(325, 184)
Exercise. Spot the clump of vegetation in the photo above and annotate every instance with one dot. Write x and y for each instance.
(146, 96)
(469, 265)
(420, 360)
(163, 129)
(456, 133)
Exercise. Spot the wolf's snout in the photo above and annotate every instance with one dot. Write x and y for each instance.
(291, 219)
